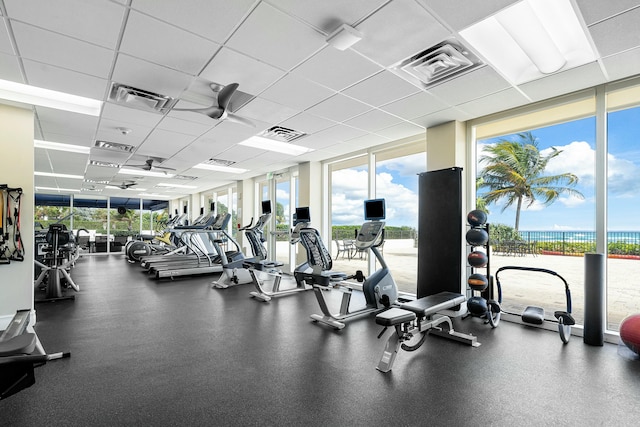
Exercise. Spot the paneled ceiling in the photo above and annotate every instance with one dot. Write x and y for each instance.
(288, 76)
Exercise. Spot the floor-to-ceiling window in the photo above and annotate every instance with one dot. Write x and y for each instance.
(90, 218)
(623, 196)
(282, 215)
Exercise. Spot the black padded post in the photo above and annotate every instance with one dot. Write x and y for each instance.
(440, 232)
(594, 297)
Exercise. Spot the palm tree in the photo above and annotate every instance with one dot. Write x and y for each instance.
(514, 172)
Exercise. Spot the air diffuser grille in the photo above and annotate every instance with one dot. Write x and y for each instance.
(138, 98)
(283, 134)
(114, 146)
(219, 162)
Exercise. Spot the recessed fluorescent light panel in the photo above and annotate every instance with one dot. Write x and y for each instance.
(33, 95)
(228, 169)
(142, 172)
(531, 39)
(65, 190)
(114, 146)
(103, 164)
(71, 148)
(167, 185)
(58, 175)
(277, 146)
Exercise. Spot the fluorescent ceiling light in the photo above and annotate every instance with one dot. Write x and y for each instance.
(152, 195)
(164, 184)
(65, 190)
(144, 173)
(277, 146)
(33, 95)
(49, 145)
(219, 168)
(58, 175)
(531, 39)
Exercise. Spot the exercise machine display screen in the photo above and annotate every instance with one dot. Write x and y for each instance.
(302, 215)
(266, 207)
(374, 210)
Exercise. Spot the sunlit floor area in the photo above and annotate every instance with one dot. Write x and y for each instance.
(145, 352)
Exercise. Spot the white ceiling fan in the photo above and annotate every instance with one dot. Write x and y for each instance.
(219, 110)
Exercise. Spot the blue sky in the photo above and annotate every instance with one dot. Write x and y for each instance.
(397, 180)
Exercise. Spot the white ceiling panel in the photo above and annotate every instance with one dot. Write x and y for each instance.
(147, 76)
(594, 11)
(166, 45)
(10, 68)
(296, 92)
(164, 144)
(174, 124)
(339, 108)
(327, 15)
(252, 75)
(72, 163)
(130, 116)
(401, 130)
(397, 31)
(41, 160)
(571, 80)
(373, 120)
(623, 64)
(108, 130)
(466, 87)
(330, 136)
(283, 41)
(460, 14)
(96, 22)
(307, 123)
(366, 141)
(381, 89)
(5, 41)
(64, 80)
(62, 51)
(266, 111)
(67, 123)
(617, 34)
(498, 101)
(415, 105)
(440, 117)
(199, 16)
(337, 69)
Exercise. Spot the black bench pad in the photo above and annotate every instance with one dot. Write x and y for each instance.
(533, 315)
(431, 304)
(394, 316)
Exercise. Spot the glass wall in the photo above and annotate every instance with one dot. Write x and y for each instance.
(623, 192)
(90, 219)
(282, 215)
(124, 225)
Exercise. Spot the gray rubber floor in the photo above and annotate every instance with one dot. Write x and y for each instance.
(150, 353)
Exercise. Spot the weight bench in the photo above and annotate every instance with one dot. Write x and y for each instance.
(423, 315)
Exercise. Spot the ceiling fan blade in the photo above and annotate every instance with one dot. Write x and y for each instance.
(163, 168)
(240, 120)
(213, 111)
(225, 94)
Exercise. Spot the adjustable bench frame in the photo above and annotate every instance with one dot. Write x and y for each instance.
(424, 315)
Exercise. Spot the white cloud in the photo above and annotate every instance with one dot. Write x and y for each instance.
(571, 201)
(577, 158)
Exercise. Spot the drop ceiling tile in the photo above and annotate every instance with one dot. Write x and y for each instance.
(41, 160)
(373, 120)
(186, 127)
(339, 108)
(151, 77)
(336, 69)
(327, 15)
(197, 16)
(588, 75)
(68, 163)
(594, 11)
(96, 22)
(493, 103)
(296, 92)
(108, 131)
(283, 41)
(307, 123)
(403, 20)
(130, 117)
(439, 117)
(366, 141)
(415, 105)
(380, 89)
(163, 44)
(465, 87)
(67, 123)
(64, 80)
(617, 34)
(460, 14)
(334, 134)
(5, 42)
(623, 64)
(62, 51)
(401, 130)
(252, 75)
(10, 68)
(163, 144)
(266, 111)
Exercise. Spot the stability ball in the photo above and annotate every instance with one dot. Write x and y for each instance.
(630, 332)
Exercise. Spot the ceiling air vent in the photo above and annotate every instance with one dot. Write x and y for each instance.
(438, 63)
(93, 181)
(138, 98)
(219, 162)
(114, 146)
(185, 177)
(280, 133)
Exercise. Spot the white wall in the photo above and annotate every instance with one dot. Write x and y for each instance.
(16, 146)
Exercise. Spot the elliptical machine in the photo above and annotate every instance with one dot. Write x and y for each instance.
(379, 289)
(301, 221)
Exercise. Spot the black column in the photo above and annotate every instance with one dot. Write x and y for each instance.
(439, 231)
(594, 299)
